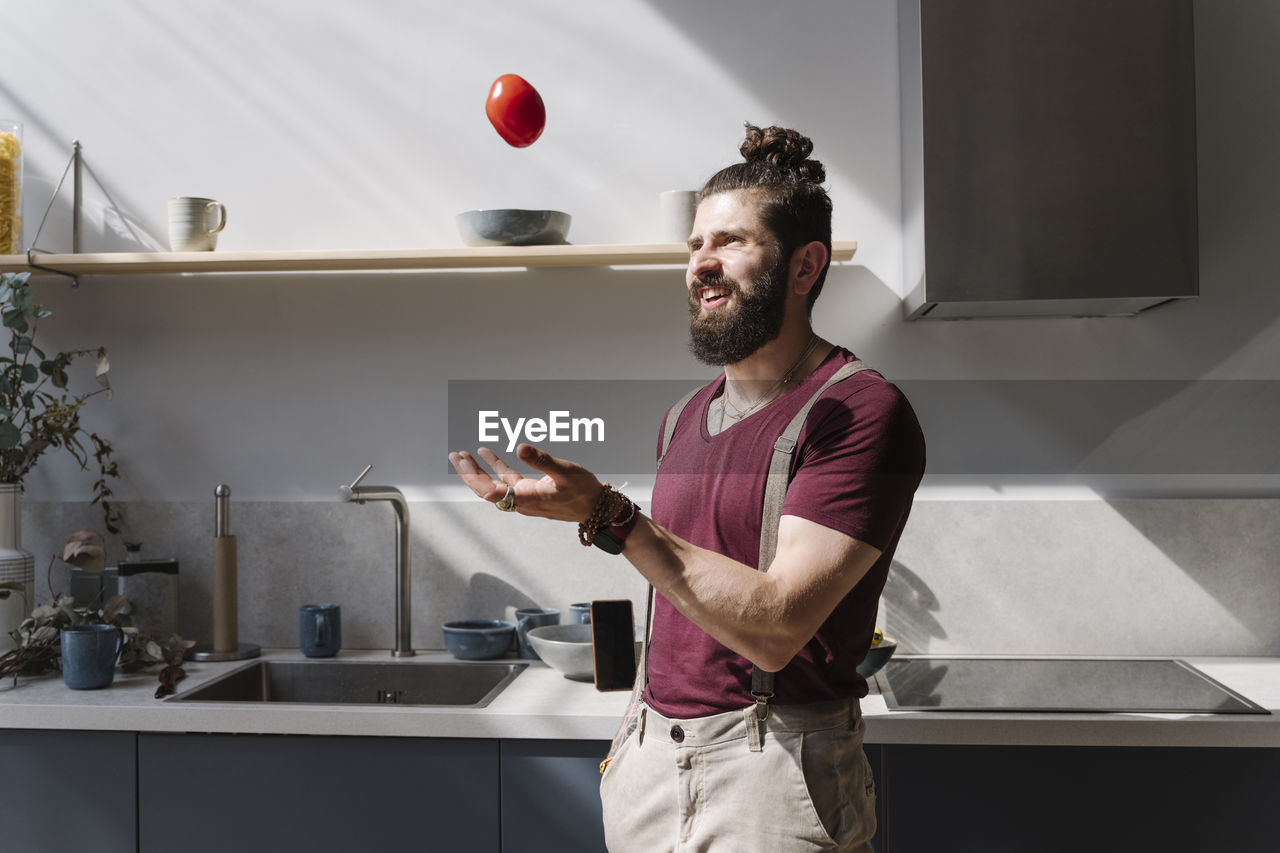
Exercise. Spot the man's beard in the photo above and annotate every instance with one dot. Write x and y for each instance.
(730, 334)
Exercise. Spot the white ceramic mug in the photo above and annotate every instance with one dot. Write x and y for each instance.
(676, 209)
(194, 223)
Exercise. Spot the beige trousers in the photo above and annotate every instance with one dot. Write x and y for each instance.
(719, 784)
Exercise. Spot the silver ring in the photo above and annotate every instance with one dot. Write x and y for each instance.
(508, 501)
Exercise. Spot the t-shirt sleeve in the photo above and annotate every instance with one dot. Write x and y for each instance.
(861, 457)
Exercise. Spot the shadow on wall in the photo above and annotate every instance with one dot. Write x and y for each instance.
(47, 209)
(1238, 130)
(105, 225)
(910, 609)
(1087, 577)
(473, 594)
(1117, 437)
(491, 597)
(809, 34)
(1228, 549)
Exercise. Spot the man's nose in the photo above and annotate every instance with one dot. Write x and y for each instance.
(702, 262)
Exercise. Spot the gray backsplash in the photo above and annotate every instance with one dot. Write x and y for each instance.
(468, 562)
(1121, 577)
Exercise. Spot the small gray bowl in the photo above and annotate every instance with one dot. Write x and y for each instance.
(513, 227)
(478, 639)
(566, 648)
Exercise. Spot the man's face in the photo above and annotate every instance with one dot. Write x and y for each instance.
(737, 280)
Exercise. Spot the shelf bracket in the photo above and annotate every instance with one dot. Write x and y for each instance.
(74, 165)
(75, 279)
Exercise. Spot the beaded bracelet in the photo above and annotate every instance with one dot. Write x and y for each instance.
(609, 506)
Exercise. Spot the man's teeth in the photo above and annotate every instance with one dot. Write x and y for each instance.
(714, 292)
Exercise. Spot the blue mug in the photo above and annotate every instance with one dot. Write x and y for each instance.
(320, 630)
(580, 613)
(532, 617)
(89, 655)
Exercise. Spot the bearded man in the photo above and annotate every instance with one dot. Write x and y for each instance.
(783, 488)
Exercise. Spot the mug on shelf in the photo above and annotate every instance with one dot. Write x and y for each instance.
(676, 209)
(194, 223)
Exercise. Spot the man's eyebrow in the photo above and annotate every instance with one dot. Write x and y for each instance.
(720, 232)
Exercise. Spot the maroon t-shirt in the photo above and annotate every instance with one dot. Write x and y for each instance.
(855, 469)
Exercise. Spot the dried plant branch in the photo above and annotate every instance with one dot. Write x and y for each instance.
(33, 419)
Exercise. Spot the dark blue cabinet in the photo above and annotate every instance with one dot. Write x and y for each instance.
(1001, 799)
(125, 792)
(210, 793)
(68, 791)
(551, 796)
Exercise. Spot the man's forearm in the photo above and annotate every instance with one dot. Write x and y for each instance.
(743, 609)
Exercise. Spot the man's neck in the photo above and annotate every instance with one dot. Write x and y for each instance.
(771, 362)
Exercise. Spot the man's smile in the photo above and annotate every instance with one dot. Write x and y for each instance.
(713, 296)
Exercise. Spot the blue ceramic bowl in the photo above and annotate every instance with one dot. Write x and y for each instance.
(478, 639)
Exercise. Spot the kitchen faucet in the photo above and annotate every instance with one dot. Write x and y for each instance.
(360, 494)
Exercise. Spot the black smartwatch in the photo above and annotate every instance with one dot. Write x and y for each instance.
(611, 539)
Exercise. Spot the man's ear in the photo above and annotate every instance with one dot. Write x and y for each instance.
(807, 263)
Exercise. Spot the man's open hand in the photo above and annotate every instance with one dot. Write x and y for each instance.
(566, 491)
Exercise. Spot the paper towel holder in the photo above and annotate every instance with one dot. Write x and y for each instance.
(226, 644)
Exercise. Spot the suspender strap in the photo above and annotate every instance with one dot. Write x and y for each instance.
(642, 678)
(669, 430)
(673, 418)
(775, 490)
(779, 476)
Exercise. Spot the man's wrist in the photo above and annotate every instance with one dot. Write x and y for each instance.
(609, 522)
(612, 539)
(609, 505)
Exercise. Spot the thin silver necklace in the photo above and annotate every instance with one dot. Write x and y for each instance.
(766, 397)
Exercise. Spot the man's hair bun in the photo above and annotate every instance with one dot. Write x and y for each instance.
(784, 149)
(786, 188)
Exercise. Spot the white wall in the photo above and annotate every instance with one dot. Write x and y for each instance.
(360, 125)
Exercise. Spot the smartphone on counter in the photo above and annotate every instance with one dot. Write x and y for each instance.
(613, 644)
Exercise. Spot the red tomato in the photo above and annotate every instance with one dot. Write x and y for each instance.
(515, 109)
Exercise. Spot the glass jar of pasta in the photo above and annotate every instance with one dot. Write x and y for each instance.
(10, 187)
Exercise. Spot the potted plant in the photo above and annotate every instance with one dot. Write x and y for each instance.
(37, 414)
(38, 638)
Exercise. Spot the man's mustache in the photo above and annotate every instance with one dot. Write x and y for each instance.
(715, 280)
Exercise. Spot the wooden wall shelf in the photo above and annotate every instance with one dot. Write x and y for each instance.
(487, 257)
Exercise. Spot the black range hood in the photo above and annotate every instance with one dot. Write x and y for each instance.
(1049, 156)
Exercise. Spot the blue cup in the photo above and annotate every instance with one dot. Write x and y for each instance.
(320, 630)
(580, 613)
(89, 655)
(532, 617)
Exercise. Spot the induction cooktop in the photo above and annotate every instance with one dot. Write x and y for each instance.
(1086, 685)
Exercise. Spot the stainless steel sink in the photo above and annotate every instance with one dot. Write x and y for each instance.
(470, 684)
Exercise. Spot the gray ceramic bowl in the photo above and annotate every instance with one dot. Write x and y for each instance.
(513, 227)
(479, 639)
(877, 657)
(566, 648)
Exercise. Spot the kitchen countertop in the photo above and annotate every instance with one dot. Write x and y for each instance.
(542, 704)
